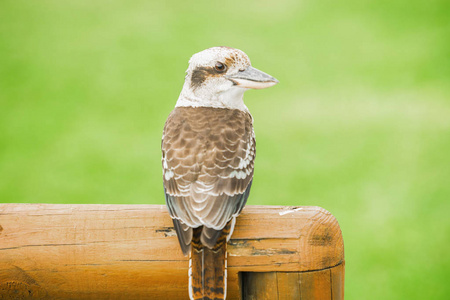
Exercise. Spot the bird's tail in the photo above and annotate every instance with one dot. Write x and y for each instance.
(208, 267)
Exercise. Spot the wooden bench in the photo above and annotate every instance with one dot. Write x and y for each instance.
(60, 251)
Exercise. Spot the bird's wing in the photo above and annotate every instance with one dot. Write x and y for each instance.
(208, 159)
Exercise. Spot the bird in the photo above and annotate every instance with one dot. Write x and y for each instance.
(208, 154)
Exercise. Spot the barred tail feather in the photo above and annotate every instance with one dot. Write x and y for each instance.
(208, 268)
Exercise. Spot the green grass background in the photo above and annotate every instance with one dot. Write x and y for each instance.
(359, 124)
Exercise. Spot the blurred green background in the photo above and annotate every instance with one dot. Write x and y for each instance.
(359, 124)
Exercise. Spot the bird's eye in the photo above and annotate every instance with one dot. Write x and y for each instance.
(220, 67)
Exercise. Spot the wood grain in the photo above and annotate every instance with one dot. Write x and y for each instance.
(324, 284)
(55, 251)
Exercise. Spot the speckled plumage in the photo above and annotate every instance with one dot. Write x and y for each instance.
(208, 160)
(208, 153)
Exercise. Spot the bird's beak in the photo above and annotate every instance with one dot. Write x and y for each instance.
(252, 78)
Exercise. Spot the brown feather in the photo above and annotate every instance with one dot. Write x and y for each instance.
(208, 159)
(207, 149)
(208, 267)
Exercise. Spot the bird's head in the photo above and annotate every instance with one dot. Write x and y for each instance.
(219, 76)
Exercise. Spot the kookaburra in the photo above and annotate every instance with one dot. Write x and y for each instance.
(208, 153)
